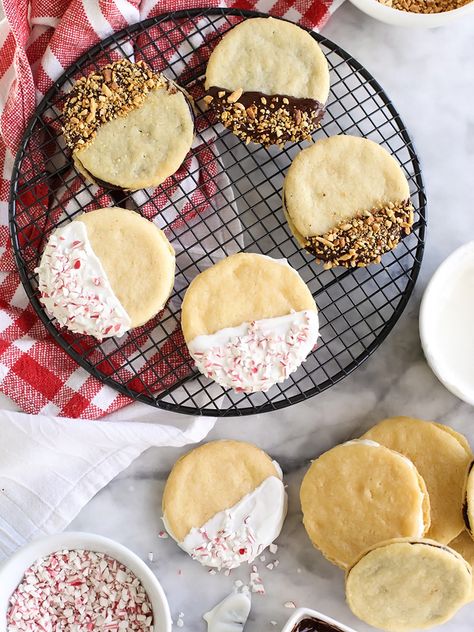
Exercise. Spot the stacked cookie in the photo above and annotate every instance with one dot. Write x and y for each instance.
(388, 509)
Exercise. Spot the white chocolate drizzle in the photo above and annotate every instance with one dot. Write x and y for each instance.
(74, 286)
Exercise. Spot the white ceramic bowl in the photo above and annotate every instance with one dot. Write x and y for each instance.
(449, 293)
(304, 613)
(405, 18)
(12, 571)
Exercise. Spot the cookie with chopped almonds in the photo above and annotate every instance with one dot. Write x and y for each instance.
(347, 201)
(127, 126)
(267, 81)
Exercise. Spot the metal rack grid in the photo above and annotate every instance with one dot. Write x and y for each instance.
(226, 198)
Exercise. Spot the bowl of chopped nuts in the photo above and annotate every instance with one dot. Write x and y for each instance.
(416, 13)
(80, 579)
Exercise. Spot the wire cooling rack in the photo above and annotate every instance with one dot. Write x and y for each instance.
(226, 198)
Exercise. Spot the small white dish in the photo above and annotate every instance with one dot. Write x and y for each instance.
(446, 323)
(12, 571)
(305, 613)
(406, 18)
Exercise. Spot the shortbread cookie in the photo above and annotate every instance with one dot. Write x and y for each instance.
(105, 272)
(360, 493)
(127, 127)
(405, 585)
(468, 499)
(224, 503)
(267, 81)
(347, 201)
(464, 545)
(249, 321)
(441, 456)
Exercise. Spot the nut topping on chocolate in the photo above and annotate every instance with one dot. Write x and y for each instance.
(364, 239)
(106, 94)
(265, 119)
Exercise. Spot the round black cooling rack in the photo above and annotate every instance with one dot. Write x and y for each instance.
(226, 198)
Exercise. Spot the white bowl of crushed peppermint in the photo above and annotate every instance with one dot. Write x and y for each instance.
(76, 582)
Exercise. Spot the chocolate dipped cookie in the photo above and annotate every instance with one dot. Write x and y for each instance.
(127, 126)
(267, 81)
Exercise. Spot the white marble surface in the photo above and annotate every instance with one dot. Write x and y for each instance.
(429, 75)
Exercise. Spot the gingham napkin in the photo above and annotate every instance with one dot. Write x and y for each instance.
(38, 41)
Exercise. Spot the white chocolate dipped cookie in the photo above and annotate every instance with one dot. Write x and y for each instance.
(224, 503)
(267, 81)
(360, 493)
(442, 457)
(127, 126)
(106, 272)
(249, 321)
(347, 201)
(408, 584)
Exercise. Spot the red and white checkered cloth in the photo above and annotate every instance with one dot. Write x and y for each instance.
(38, 40)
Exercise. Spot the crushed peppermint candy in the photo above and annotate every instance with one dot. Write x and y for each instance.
(256, 355)
(228, 548)
(163, 535)
(256, 584)
(289, 604)
(74, 286)
(79, 591)
(273, 548)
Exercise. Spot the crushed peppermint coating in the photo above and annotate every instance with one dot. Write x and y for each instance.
(228, 547)
(163, 535)
(266, 119)
(273, 548)
(289, 604)
(364, 239)
(104, 95)
(74, 286)
(150, 556)
(78, 591)
(256, 355)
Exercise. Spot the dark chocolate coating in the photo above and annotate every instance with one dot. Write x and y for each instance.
(309, 624)
(267, 119)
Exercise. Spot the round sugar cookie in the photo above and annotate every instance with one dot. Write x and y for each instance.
(360, 493)
(441, 456)
(105, 272)
(224, 503)
(468, 499)
(404, 585)
(127, 126)
(464, 545)
(249, 321)
(347, 201)
(268, 80)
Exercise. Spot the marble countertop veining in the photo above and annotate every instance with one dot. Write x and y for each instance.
(429, 76)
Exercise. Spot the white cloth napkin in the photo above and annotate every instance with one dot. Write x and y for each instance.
(50, 467)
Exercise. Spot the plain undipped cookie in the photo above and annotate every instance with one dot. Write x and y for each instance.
(128, 127)
(464, 545)
(224, 502)
(360, 493)
(407, 585)
(249, 321)
(346, 200)
(105, 272)
(441, 456)
(268, 81)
